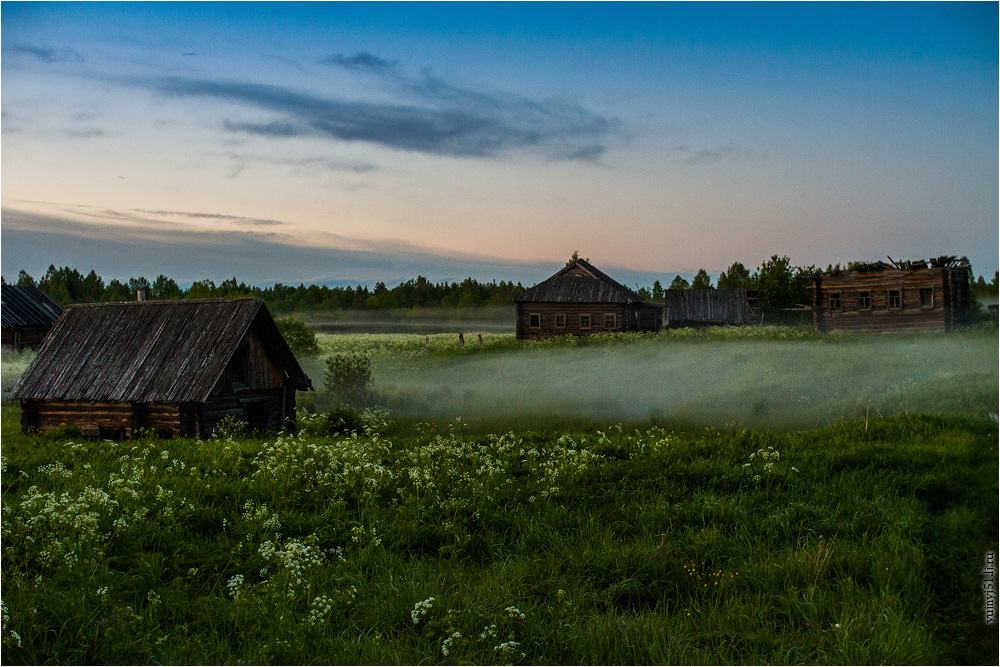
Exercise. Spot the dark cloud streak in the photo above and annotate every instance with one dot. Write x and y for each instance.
(438, 119)
(45, 54)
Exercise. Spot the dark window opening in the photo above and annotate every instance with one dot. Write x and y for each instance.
(585, 321)
(534, 320)
(560, 321)
(239, 367)
(864, 300)
(610, 321)
(926, 297)
(895, 299)
(255, 415)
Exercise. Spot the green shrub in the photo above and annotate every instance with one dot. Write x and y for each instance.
(299, 337)
(348, 380)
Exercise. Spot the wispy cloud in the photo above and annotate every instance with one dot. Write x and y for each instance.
(45, 54)
(692, 156)
(363, 61)
(218, 217)
(431, 116)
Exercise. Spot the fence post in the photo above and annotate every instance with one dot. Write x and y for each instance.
(461, 340)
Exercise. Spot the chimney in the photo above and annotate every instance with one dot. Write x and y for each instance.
(140, 295)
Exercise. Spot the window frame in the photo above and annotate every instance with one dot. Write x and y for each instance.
(534, 320)
(835, 301)
(864, 300)
(560, 321)
(612, 318)
(585, 321)
(894, 301)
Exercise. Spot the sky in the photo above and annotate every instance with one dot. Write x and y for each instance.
(346, 143)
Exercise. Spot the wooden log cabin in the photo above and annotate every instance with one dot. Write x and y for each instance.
(580, 300)
(894, 295)
(173, 367)
(27, 315)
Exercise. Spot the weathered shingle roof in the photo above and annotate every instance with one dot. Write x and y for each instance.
(148, 351)
(580, 282)
(27, 306)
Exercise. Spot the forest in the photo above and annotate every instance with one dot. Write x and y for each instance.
(776, 281)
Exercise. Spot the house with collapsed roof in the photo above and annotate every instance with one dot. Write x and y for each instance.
(177, 368)
(580, 300)
(894, 295)
(27, 315)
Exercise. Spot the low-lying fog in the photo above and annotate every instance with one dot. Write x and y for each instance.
(771, 384)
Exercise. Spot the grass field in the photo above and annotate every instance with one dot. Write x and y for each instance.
(560, 539)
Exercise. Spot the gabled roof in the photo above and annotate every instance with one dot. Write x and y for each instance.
(580, 282)
(149, 351)
(27, 306)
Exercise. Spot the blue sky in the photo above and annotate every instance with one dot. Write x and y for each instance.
(337, 142)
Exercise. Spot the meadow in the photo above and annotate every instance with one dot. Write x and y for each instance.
(436, 534)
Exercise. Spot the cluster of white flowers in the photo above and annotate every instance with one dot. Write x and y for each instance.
(514, 612)
(365, 536)
(449, 640)
(421, 609)
(234, 585)
(296, 556)
(762, 462)
(508, 647)
(319, 610)
(8, 633)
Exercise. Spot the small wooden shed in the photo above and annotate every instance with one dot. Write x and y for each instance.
(581, 300)
(173, 367)
(709, 307)
(27, 315)
(894, 295)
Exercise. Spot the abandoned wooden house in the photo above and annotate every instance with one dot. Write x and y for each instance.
(886, 296)
(581, 300)
(173, 367)
(709, 307)
(27, 315)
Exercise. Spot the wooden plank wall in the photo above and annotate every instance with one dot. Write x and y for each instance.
(706, 306)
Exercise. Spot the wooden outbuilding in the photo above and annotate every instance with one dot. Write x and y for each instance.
(894, 295)
(27, 315)
(709, 307)
(173, 367)
(580, 300)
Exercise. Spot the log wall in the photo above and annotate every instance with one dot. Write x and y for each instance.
(944, 304)
(628, 317)
(113, 421)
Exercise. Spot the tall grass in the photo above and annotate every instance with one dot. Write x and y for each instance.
(430, 543)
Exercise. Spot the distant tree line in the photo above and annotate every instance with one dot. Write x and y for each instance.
(66, 285)
(776, 281)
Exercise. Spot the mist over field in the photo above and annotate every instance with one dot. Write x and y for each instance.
(765, 383)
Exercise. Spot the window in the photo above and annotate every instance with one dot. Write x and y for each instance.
(560, 321)
(926, 297)
(535, 320)
(836, 303)
(864, 300)
(585, 321)
(895, 299)
(610, 321)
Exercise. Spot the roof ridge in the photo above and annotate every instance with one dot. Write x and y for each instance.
(160, 302)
